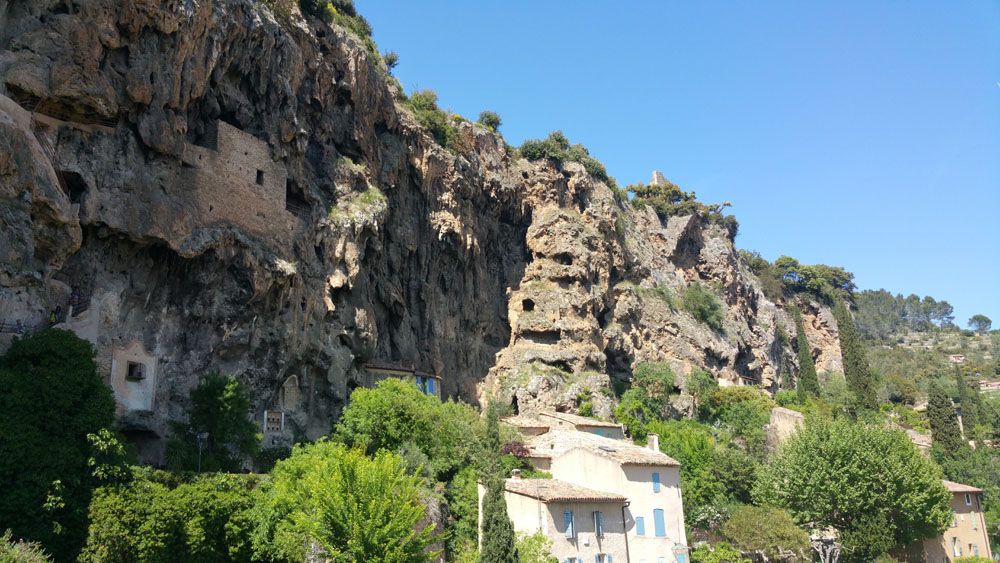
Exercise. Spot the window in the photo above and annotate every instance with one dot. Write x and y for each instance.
(640, 526)
(956, 548)
(598, 524)
(954, 519)
(430, 386)
(260, 177)
(659, 526)
(136, 371)
(681, 558)
(661, 560)
(968, 499)
(975, 522)
(974, 549)
(656, 482)
(568, 522)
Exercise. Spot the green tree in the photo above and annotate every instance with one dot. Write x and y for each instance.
(20, 551)
(652, 384)
(721, 552)
(53, 399)
(395, 415)
(703, 305)
(943, 421)
(391, 60)
(700, 384)
(497, 532)
(535, 548)
(767, 530)
(220, 407)
(807, 384)
(490, 119)
(857, 479)
(856, 369)
(319, 9)
(160, 517)
(980, 323)
(337, 503)
(693, 445)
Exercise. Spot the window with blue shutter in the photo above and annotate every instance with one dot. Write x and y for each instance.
(597, 558)
(607, 558)
(975, 522)
(598, 524)
(640, 526)
(656, 482)
(430, 386)
(659, 526)
(568, 521)
(681, 558)
(420, 383)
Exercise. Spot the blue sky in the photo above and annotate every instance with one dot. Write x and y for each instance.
(856, 134)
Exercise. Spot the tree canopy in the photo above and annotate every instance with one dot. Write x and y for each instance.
(869, 483)
(53, 399)
(980, 323)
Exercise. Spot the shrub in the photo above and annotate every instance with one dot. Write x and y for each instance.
(721, 552)
(703, 305)
(425, 108)
(319, 9)
(490, 119)
(765, 530)
(391, 60)
(557, 148)
(20, 551)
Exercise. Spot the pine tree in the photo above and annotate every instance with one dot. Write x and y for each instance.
(497, 531)
(852, 351)
(943, 420)
(808, 383)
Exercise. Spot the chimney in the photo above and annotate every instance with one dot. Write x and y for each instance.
(515, 474)
(653, 442)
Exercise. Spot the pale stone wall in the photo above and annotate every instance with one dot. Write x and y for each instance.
(132, 394)
(784, 422)
(223, 184)
(635, 482)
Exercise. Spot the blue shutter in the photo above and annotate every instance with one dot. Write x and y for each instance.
(430, 385)
(658, 523)
(640, 526)
(420, 383)
(598, 524)
(568, 521)
(597, 558)
(607, 558)
(656, 482)
(660, 560)
(681, 558)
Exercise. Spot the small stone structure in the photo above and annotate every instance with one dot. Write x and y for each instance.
(428, 383)
(233, 178)
(133, 377)
(658, 179)
(784, 423)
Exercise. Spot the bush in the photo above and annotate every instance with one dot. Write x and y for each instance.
(490, 119)
(20, 551)
(220, 406)
(721, 552)
(425, 109)
(52, 399)
(765, 530)
(319, 9)
(703, 305)
(557, 148)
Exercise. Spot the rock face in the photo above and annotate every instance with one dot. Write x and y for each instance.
(243, 191)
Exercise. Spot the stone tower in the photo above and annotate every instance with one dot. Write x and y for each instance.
(657, 178)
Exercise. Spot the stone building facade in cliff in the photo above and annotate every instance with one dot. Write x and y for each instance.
(232, 178)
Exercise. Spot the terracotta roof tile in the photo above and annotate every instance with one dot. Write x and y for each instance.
(554, 490)
(579, 420)
(960, 488)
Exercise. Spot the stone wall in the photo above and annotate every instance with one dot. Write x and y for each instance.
(131, 393)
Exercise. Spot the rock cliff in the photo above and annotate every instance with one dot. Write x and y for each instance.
(245, 191)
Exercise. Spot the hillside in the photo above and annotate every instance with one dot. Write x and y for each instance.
(242, 189)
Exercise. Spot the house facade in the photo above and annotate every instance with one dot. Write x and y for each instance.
(966, 535)
(647, 524)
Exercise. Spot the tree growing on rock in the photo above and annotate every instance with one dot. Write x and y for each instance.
(856, 369)
(807, 384)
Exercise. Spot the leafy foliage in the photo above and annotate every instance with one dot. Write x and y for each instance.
(159, 517)
(881, 316)
(534, 548)
(856, 369)
(867, 482)
(980, 323)
(557, 148)
(979, 468)
(396, 414)
(807, 384)
(703, 305)
(668, 200)
(219, 406)
(497, 532)
(819, 280)
(20, 551)
(330, 499)
(490, 119)
(721, 552)
(424, 106)
(53, 399)
(766, 530)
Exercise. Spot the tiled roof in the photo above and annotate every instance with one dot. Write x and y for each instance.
(556, 442)
(554, 490)
(960, 488)
(579, 420)
(377, 365)
(524, 422)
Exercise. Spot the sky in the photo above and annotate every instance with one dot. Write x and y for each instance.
(857, 134)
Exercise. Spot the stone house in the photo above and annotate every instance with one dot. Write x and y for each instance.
(965, 537)
(567, 421)
(428, 383)
(590, 472)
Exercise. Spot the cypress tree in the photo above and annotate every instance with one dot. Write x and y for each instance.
(497, 531)
(852, 352)
(808, 383)
(943, 420)
(966, 400)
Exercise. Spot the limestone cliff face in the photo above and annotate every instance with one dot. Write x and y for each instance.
(242, 191)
